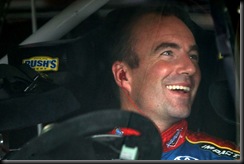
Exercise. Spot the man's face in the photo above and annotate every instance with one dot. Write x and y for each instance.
(166, 81)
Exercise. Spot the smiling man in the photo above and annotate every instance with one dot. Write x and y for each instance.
(166, 80)
(155, 65)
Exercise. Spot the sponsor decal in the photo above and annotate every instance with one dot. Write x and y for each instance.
(42, 63)
(220, 151)
(185, 158)
(173, 141)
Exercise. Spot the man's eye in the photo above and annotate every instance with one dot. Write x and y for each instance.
(194, 57)
(167, 53)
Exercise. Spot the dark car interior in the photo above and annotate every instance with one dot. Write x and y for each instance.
(83, 82)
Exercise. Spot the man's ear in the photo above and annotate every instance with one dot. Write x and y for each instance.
(122, 75)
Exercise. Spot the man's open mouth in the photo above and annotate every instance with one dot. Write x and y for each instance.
(178, 88)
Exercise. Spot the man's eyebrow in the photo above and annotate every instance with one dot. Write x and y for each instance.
(193, 48)
(174, 45)
(166, 45)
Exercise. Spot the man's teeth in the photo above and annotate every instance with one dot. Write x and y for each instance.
(178, 87)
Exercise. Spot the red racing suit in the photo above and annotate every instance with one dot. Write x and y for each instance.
(181, 144)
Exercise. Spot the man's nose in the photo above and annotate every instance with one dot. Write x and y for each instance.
(187, 66)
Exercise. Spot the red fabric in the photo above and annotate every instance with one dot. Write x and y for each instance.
(169, 134)
(127, 132)
(201, 136)
(171, 140)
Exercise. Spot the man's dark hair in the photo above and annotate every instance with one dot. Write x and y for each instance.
(115, 37)
(119, 25)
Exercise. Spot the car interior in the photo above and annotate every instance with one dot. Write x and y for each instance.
(79, 80)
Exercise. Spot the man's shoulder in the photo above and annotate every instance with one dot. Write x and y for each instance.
(201, 137)
(214, 144)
